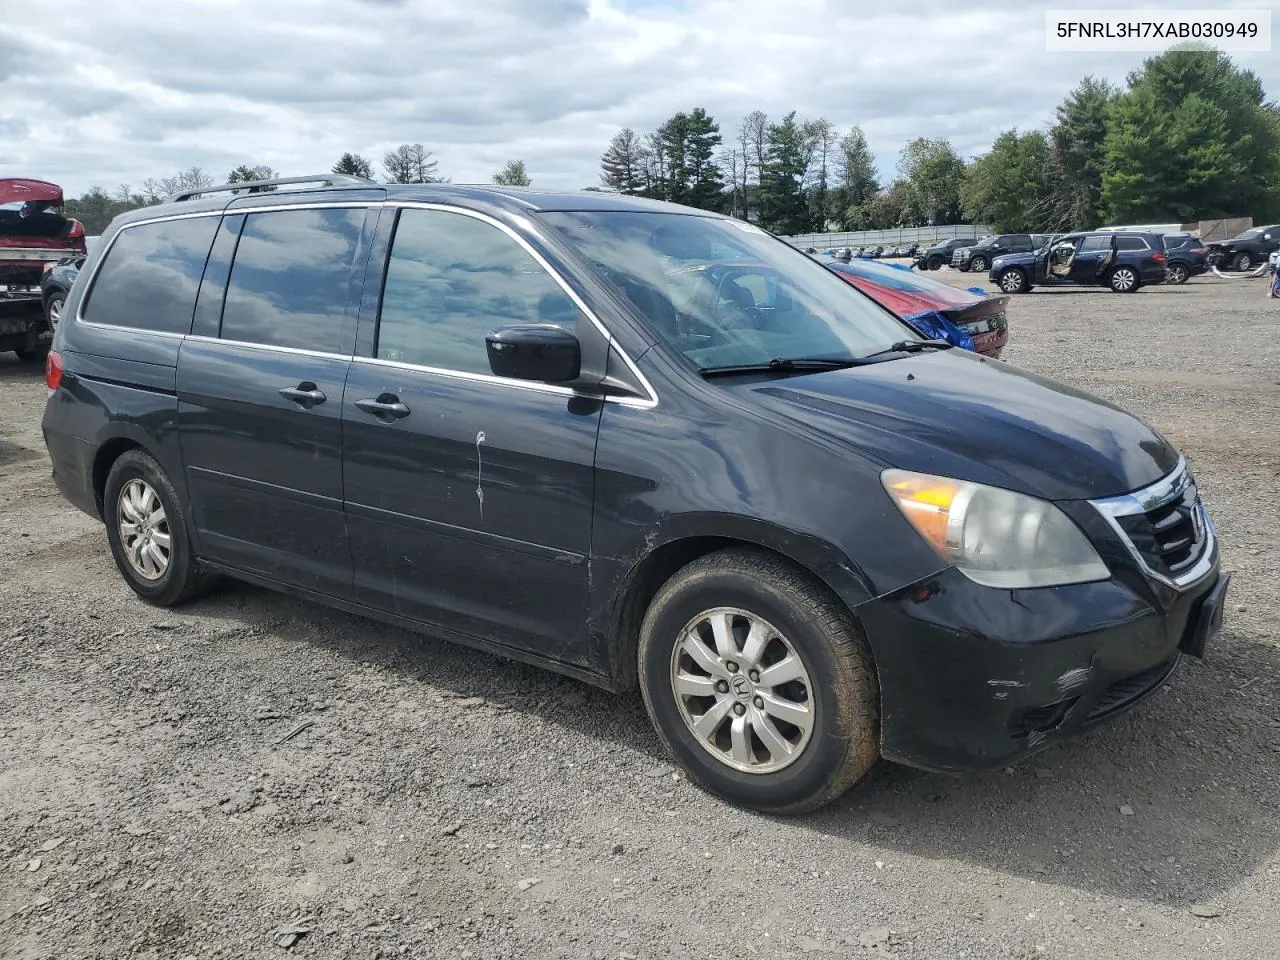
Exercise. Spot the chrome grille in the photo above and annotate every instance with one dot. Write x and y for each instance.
(1165, 527)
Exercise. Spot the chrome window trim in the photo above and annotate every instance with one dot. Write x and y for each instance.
(643, 402)
(300, 351)
(165, 218)
(1149, 498)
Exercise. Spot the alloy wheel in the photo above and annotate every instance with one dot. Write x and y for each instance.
(144, 529)
(1242, 262)
(55, 312)
(977, 265)
(742, 690)
(1123, 280)
(1011, 281)
(1177, 274)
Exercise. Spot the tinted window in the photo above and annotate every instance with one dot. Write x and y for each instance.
(291, 279)
(150, 275)
(1176, 243)
(1095, 243)
(1131, 243)
(453, 279)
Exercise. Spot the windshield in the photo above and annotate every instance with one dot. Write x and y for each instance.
(1251, 234)
(725, 293)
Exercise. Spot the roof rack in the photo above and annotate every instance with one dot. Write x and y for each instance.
(252, 186)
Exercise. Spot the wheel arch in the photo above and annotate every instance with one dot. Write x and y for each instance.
(693, 538)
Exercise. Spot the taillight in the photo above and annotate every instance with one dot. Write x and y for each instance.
(53, 371)
(75, 230)
(1159, 257)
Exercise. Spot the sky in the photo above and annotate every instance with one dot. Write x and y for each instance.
(110, 92)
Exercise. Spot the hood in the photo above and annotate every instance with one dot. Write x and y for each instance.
(1015, 259)
(955, 414)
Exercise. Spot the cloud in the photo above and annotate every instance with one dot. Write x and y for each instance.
(130, 89)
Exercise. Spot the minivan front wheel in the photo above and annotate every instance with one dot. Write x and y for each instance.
(147, 532)
(759, 682)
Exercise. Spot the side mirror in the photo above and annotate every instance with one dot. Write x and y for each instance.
(534, 351)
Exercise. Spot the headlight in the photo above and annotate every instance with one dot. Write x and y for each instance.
(995, 537)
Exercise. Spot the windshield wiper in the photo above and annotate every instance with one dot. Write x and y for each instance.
(802, 364)
(784, 365)
(909, 346)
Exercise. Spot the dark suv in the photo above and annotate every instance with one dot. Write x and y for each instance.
(1246, 251)
(931, 258)
(637, 443)
(979, 256)
(1187, 257)
(1122, 261)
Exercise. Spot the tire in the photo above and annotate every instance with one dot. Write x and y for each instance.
(1012, 280)
(1241, 262)
(136, 476)
(1123, 280)
(933, 263)
(1178, 274)
(53, 309)
(837, 695)
(978, 265)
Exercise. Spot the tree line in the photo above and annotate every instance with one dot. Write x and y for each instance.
(407, 163)
(1189, 136)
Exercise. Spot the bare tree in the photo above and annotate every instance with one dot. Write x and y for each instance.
(410, 163)
(194, 178)
(733, 162)
(753, 140)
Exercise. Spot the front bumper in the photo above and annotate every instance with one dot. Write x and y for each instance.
(973, 677)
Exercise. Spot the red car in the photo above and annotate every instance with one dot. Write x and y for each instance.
(33, 231)
(922, 302)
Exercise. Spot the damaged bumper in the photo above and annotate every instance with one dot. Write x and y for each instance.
(1033, 667)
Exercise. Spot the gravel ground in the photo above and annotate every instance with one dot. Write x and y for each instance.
(251, 775)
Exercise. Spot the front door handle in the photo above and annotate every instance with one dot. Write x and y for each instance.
(304, 394)
(387, 407)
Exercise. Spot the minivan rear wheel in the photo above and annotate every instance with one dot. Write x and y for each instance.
(147, 531)
(759, 682)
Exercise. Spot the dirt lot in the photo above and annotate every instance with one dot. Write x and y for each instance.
(443, 803)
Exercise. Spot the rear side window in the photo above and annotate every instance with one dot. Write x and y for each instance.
(1095, 243)
(150, 276)
(1131, 243)
(451, 280)
(292, 278)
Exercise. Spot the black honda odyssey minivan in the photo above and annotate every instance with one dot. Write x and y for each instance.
(636, 443)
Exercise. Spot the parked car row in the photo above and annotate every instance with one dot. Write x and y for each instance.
(875, 252)
(646, 446)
